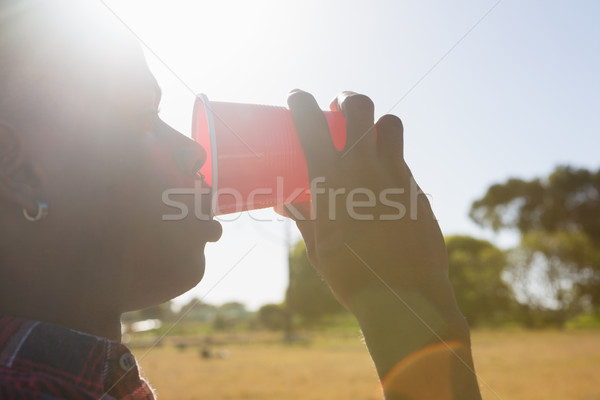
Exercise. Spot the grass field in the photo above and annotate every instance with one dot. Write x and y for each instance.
(515, 365)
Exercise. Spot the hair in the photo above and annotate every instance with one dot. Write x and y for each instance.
(54, 55)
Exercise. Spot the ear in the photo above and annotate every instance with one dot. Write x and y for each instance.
(18, 180)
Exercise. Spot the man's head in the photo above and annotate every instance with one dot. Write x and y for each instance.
(79, 130)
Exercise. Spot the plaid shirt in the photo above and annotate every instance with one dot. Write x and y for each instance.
(40, 361)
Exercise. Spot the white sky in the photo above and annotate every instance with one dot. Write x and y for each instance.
(517, 96)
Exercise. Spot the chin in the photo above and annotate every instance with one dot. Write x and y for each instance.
(192, 275)
(166, 283)
(179, 279)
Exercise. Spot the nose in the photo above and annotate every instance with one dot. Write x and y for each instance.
(189, 156)
(190, 159)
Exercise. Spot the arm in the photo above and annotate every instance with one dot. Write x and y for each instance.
(372, 236)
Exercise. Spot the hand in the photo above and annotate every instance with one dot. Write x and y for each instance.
(395, 238)
(371, 234)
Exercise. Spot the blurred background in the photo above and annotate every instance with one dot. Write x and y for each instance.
(500, 104)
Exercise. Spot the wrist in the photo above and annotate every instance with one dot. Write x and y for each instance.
(419, 341)
(432, 305)
(399, 321)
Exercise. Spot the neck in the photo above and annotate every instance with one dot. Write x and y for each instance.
(71, 312)
(90, 322)
(67, 292)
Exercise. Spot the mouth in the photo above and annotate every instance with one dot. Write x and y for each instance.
(214, 227)
(215, 230)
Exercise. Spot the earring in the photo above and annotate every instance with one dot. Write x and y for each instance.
(42, 212)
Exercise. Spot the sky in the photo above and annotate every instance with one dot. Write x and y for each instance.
(486, 90)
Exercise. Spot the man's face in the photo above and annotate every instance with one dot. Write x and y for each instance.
(104, 170)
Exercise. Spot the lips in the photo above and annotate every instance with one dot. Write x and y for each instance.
(214, 230)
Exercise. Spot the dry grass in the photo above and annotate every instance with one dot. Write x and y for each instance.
(516, 365)
(544, 365)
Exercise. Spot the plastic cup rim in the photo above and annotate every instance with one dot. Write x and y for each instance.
(213, 148)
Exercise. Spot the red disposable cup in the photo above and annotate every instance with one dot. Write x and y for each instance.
(254, 159)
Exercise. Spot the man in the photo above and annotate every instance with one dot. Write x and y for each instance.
(84, 160)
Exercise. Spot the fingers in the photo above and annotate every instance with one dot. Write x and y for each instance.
(390, 142)
(360, 128)
(313, 133)
(321, 155)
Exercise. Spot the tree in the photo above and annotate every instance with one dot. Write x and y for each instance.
(559, 221)
(568, 200)
(547, 274)
(229, 315)
(233, 309)
(272, 317)
(161, 311)
(475, 270)
(308, 296)
(197, 310)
